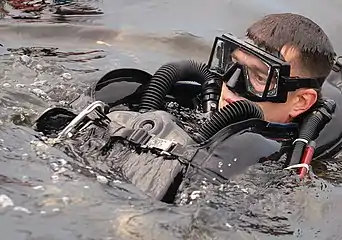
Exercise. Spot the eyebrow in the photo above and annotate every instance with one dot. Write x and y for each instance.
(255, 67)
(251, 65)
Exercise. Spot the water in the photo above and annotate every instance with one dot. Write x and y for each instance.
(47, 197)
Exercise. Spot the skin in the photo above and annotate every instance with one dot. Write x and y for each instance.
(297, 102)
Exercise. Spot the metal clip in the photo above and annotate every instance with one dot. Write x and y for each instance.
(160, 144)
(78, 119)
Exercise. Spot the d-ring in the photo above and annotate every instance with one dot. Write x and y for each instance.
(80, 117)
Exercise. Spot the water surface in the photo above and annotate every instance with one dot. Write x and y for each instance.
(51, 198)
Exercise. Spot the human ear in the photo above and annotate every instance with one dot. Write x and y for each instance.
(302, 101)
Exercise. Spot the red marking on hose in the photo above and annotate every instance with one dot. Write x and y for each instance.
(307, 157)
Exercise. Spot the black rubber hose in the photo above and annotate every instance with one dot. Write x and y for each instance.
(168, 74)
(306, 134)
(229, 114)
(311, 127)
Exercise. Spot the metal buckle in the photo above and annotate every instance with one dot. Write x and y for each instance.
(160, 144)
(98, 106)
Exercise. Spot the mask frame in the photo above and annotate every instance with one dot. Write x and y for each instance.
(276, 65)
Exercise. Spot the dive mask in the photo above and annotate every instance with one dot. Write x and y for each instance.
(253, 73)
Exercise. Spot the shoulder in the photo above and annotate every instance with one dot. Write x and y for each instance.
(234, 154)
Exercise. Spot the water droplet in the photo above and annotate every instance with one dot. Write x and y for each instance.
(195, 194)
(25, 59)
(40, 93)
(20, 85)
(5, 201)
(102, 179)
(62, 162)
(228, 225)
(54, 167)
(39, 67)
(38, 83)
(66, 200)
(22, 209)
(54, 178)
(38, 188)
(67, 76)
(244, 190)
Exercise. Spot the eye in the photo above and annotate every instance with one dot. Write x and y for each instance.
(257, 76)
(260, 78)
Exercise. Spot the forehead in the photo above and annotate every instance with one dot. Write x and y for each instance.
(249, 60)
(276, 52)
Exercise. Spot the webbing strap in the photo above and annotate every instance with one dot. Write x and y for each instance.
(144, 140)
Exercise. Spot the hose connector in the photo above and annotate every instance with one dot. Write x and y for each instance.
(311, 127)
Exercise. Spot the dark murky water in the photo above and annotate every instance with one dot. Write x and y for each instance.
(47, 197)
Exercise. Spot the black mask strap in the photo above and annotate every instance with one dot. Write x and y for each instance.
(292, 84)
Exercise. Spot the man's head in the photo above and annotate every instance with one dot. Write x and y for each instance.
(301, 43)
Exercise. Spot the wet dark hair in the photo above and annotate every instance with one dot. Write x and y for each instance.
(276, 30)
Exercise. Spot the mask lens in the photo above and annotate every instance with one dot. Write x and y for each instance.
(256, 82)
(221, 56)
(257, 74)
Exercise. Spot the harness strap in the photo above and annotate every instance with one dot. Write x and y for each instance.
(144, 140)
(185, 154)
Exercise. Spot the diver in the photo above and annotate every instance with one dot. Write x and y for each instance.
(298, 41)
(258, 97)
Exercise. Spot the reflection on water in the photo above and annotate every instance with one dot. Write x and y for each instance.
(50, 196)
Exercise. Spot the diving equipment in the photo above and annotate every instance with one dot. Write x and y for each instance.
(304, 145)
(164, 78)
(189, 83)
(151, 147)
(311, 127)
(262, 76)
(161, 150)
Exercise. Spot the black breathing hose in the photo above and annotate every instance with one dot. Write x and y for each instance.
(311, 127)
(168, 74)
(229, 114)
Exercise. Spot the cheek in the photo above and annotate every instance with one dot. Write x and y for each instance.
(224, 92)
